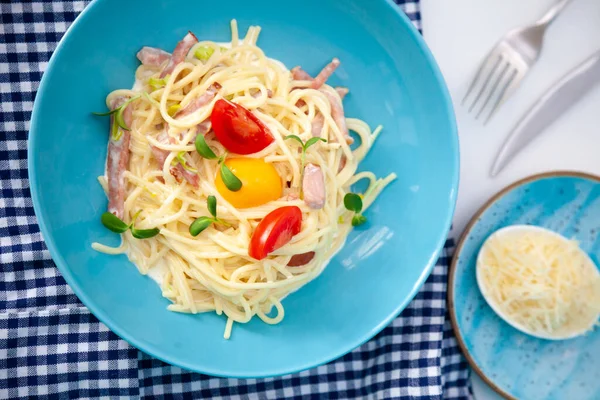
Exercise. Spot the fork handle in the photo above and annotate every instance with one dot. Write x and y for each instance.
(553, 12)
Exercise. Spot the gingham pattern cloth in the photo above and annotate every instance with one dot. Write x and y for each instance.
(52, 347)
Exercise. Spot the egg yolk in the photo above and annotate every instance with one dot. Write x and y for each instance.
(260, 183)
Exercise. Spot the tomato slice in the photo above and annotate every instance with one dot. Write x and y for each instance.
(238, 129)
(276, 229)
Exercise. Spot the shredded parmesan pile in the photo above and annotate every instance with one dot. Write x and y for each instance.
(540, 282)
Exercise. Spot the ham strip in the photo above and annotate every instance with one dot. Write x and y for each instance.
(258, 93)
(342, 163)
(204, 127)
(153, 57)
(298, 74)
(200, 102)
(178, 171)
(181, 50)
(317, 125)
(337, 113)
(298, 260)
(118, 160)
(292, 196)
(313, 186)
(342, 91)
(325, 74)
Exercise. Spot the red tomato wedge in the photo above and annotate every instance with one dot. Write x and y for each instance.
(238, 129)
(276, 229)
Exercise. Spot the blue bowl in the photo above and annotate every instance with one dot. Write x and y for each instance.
(516, 365)
(393, 81)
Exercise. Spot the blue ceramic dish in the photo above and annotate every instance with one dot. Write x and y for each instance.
(393, 80)
(513, 363)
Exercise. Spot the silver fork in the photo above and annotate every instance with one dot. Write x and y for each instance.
(507, 64)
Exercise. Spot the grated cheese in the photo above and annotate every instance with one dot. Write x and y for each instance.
(540, 282)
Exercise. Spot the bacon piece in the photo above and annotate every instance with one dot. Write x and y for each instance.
(313, 186)
(337, 113)
(258, 93)
(342, 163)
(201, 101)
(181, 50)
(204, 127)
(292, 196)
(317, 125)
(298, 260)
(299, 74)
(342, 91)
(159, 155)
(319, 120)
(178, 171)
(117, 160)
(325, 74)
(153, 57)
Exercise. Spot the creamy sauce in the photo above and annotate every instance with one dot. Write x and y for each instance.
(158, 272)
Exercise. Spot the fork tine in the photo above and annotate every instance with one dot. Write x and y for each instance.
(512, 82)
(494, 89)
(480, 70)
(485, 83)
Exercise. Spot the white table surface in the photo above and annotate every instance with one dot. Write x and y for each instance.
(460, 33)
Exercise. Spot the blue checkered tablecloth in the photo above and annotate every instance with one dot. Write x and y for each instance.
(52, 347)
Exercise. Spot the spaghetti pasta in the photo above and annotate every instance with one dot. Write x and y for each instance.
(213, 271)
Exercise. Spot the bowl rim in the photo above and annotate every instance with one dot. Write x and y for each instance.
(463, 238)
(156, 351)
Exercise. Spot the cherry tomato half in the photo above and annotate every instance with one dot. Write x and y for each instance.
(238, 129)
(276, 229)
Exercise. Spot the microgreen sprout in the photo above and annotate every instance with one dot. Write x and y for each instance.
(231, 181)
(119, 120)
(204, 222)
(353, 202)
(115, 224)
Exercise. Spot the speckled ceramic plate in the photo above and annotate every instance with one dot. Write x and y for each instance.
(516, 365)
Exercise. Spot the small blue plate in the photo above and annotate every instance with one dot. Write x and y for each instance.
(393, 81)
(514, 364)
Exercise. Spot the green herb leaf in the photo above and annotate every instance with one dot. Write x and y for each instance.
(144, 233)
(312, 141)
(223, 49)
(220, 221)
(211, 203)
(157, 83)
(353, 202)
(296, 138)
(113, 223)
(119, 116)
(116, 132)
(119, 119)
(358, 219)
(203, 149)
(200, 224)
(173, 109)
(229, 179)
(104, 114)
(151, 100)
(135, 217)
(179, 158)
(203, 53)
